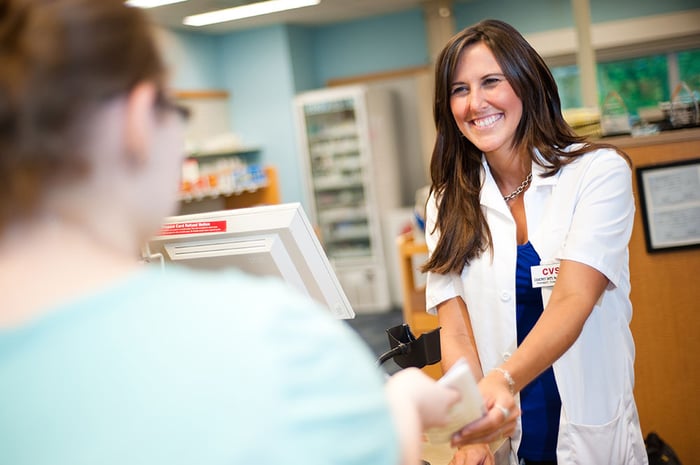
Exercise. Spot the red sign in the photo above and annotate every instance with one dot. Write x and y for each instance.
(194, 227)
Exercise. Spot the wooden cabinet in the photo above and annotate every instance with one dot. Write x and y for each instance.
(269, 194)
(666, 311)
(262, 194)
(411, 255)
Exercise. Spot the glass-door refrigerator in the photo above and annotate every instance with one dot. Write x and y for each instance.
(348, 146)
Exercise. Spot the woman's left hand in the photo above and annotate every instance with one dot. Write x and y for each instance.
(501, 416)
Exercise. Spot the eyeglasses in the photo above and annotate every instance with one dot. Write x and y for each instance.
(167, 104)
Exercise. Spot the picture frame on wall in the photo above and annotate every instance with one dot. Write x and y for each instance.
(669, 195)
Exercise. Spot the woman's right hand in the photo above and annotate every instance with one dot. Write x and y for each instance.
(473, 454)
(501, 417)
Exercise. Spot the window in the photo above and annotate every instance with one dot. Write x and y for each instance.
(689, 68)
(569, 84)
(641, 82)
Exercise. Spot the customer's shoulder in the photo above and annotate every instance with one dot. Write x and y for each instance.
(190, 278)
(231, 288)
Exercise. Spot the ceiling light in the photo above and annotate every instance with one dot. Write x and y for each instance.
(246, 11)
(151, 3)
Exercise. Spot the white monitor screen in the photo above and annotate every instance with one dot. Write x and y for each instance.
(275, 240)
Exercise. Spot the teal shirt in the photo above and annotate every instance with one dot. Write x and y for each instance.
(191, 368)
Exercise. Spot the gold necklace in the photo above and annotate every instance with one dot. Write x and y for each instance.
(519, 189)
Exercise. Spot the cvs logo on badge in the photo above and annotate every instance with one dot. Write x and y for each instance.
(544, 275)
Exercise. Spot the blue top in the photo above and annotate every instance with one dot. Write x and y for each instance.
(183, 367)
(539, 400)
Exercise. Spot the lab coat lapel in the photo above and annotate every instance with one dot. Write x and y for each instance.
(491, 196)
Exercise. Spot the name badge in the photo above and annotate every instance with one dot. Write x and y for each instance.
(544, 275)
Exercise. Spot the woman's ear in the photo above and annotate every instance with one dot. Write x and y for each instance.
(139, 122)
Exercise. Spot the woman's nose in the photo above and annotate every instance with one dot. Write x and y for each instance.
(475, 101)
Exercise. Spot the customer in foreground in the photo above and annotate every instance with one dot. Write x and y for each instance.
(106, 361)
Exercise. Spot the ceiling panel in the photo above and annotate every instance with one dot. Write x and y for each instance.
(328, 11)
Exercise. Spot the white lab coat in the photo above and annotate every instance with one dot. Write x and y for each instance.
(583, 213)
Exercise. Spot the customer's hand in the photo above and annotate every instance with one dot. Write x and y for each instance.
(417, 403)
(474, 454)
(501, 416)
(432, 400)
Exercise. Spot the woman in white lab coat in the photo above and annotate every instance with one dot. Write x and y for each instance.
(527, 229)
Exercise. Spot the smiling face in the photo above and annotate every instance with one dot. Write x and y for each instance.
(483, 103)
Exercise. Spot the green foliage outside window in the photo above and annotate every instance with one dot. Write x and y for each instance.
(689, 68)
(641, 82)
(569, 84)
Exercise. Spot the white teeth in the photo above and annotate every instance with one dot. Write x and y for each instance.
(488, 121)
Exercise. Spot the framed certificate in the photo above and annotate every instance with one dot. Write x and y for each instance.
(670, 199)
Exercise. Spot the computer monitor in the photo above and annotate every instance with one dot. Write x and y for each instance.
(275, 240)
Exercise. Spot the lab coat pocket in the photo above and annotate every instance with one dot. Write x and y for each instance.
(611, 443)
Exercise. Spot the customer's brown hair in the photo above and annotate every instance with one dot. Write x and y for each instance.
(60, 59)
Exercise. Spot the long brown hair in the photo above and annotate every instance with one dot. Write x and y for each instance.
(455, 167)
(59, 60)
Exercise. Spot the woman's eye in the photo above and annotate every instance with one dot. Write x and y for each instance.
(458, 90)
(490, 82)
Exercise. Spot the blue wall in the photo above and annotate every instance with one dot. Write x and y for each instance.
(193, 59)
(264, 68)
(526, 16)
(520, 14)
(606, 10)
(372, 45)
(301, 50)
(257, 72)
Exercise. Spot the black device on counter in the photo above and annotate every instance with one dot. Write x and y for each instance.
(409, 351)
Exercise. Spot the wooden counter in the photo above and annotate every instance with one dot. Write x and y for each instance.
(662, 138)
(666, 312)
(414, 314)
